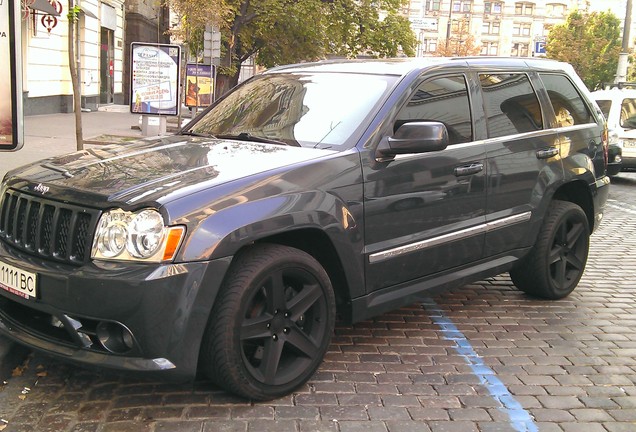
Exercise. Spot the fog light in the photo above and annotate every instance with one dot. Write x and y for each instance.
(115, 337)
(618, 159)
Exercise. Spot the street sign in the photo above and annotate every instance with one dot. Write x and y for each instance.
(155, 78)
(539, 47)
(11, 115)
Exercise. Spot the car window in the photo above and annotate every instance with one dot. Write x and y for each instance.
(313, 110)
(569, 107)
(442, 99)
(628, 113)
(605, 106)
(510, 103)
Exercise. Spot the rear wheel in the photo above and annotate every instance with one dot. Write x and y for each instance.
(556, 263)
(271, 324)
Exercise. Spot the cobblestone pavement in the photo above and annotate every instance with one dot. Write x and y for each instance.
(485, 357)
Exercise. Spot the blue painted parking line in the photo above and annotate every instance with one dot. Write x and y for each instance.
(520, 419)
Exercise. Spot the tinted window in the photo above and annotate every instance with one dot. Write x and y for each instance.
(510, 104)
(443, 100)
(566, 101)
(628, 113)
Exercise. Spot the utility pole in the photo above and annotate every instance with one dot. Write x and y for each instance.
(621, 70)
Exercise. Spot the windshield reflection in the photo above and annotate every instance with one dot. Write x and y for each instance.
(311, 110)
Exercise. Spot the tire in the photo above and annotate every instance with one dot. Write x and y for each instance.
(556, 262)
(271, 324)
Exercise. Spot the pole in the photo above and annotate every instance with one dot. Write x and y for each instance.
(448, 26)
(621, 70)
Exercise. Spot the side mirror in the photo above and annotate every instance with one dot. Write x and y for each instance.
(414, 137)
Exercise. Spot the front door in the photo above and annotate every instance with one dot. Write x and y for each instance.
(424, 213)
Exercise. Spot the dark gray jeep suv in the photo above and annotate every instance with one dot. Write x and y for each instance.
(311, 190)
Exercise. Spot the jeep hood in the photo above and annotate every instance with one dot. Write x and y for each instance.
(152, 169)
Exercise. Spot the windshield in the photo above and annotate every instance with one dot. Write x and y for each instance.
(628, 113)
(311, 110)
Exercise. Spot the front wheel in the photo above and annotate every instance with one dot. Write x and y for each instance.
(271, 324)
(556, 263)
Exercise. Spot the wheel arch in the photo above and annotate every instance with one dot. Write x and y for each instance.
(317, 243)
(578, 192)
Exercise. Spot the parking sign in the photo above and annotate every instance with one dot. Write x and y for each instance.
(539, 47)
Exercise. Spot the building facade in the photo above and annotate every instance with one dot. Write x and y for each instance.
(105, 30)
(516, 28)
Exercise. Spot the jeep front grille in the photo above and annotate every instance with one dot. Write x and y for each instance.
(50, 229)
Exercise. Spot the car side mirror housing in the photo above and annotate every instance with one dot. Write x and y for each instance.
(414, 137)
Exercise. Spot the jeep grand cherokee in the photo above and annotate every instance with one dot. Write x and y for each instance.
(339, 187)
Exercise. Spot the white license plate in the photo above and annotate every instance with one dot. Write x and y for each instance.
(17, 281)
(631, 144)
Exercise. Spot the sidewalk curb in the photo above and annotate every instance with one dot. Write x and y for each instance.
(11, 355)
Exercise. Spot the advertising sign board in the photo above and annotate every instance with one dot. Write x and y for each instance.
(154, 78)
(11, 122)
(199, 85)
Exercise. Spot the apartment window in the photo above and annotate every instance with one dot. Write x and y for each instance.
(519, 50)
(433, 5)
(521, 29)
(491, 28)
(462, 6)
(555, 9)
(489, 48)
(460, 26)
(546, 30)
(493, 7)
(429, 45)
(524, 9)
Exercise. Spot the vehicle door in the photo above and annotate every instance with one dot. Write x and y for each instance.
(523, 159)
(579, 132)
(424, 212)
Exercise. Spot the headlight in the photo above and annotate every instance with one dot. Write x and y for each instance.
(139, 236)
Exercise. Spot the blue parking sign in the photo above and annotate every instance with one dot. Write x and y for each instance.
(539, 47)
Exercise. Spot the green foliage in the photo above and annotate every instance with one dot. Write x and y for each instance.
(288, 31)
(73, 14)
(356, 28)
(591, 43)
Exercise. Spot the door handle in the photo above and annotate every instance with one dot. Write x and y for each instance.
(547, 153)
(473, 168)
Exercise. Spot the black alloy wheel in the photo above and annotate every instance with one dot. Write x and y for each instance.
(271, 324)
(557, 261)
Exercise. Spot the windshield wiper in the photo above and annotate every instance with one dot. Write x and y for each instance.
(197, 134)
(249, 137)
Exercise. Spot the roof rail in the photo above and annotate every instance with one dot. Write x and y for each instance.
(618, 85)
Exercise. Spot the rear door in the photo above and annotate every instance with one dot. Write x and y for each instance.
(424, 213)
(523, 158)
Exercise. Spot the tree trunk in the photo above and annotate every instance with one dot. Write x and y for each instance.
(77, 91)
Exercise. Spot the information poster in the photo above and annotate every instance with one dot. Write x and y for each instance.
(10, 88)
(154, 79)
(199, 85)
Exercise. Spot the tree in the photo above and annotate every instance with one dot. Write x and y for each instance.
(288, 31)
(461, 43)
(591, 43)
(73, 17)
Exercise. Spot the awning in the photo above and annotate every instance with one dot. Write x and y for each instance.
(43, 6)
(87, 12)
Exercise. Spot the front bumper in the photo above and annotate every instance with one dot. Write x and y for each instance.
(165, 309)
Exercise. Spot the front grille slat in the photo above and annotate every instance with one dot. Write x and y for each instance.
(46, 228)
